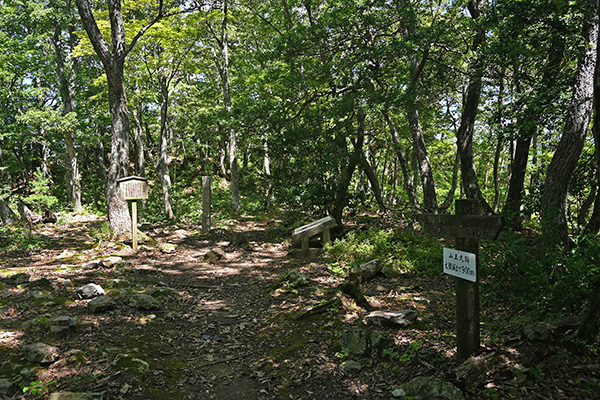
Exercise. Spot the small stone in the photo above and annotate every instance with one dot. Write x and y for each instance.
(369, 269)
(101, 304)
(392, 270)
(90, 291)
(402, 318)
(94, 264)
(63, 325)
(40, 353)
(112, 261)
(144, 302)
(354, 341)
(429, 388)
(167, 248)
(215, 255)
(125, 388)
(351, 367)
(129, 363)
(7, 388)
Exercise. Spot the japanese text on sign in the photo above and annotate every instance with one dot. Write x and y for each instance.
(460, 264)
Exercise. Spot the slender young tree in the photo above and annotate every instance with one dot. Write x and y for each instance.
(464, 135)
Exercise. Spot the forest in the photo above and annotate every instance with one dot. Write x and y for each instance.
(373, 112)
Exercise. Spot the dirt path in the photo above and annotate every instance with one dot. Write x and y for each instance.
(231, 328)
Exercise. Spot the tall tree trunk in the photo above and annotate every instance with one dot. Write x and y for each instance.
(341, 197)
(464, 135)
(593, 226)
(140, 145)
(65, 77)
(429, 196)
(118, 211)
(564, 161)
(162, 167)
(233, 140)
(113, 59)
(372, 176)
(528, 130)
(450, 196)
(406, 176)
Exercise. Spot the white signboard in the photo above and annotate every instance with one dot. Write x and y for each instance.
(460, 264)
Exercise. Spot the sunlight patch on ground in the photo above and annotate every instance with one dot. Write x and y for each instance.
(10, 338)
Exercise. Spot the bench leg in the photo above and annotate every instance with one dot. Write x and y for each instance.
(305, 245)
(326, 237)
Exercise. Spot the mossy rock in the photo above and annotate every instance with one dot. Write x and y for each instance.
(126, 362)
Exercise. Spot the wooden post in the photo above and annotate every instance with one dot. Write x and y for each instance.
(467, 293)
(206, 200)
(134, 238)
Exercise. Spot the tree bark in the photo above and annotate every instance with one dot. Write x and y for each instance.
(65, 77)
(223, 67)
(162, 168)
(593, 226)
(406, 176)
(113, 58)
(7, 215)
(527, 133)
(341, 197)
(464, 135)
(560, 171)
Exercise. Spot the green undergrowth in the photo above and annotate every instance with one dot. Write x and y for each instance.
(531, 283)
(17, 238)
(407, 251)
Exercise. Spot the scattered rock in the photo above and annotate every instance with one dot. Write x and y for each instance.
(49, 217)
(63, 325)
(475, 371)
(351, 367)
(129, 363)
(214, 255)
(90, 291)
(428, 388)
(94, 264)
(7, 388)
(544, 331)
(392, 270)
(540, 331)
(112, 261)
(402, 318)
(360, 343)
(18, 279)
(40, 353)
(295, 279)
(76, 396)
(167, 248)
(238, 239)
(144, 302)
(368, 270)
(102, 304)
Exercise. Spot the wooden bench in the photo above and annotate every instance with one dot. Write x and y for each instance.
(321, 226)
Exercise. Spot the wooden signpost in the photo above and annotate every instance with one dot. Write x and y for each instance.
(467, 228)
(133, 188)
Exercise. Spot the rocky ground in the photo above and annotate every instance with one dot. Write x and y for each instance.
(192, 316)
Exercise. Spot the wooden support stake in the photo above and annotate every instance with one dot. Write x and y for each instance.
(326, 237)
(206, 203)
(134, 238)
(467, 293)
